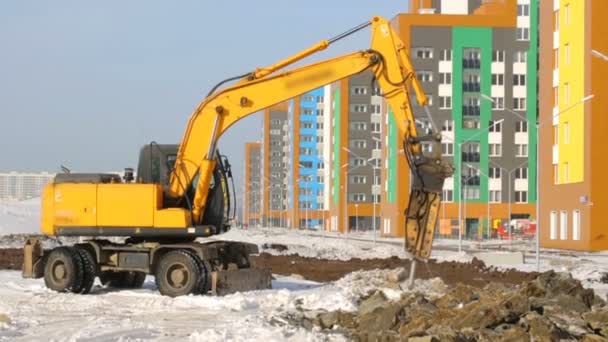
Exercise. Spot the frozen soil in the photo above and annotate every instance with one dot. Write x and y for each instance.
(322, 270)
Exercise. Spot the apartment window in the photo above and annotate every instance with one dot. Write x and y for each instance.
(576, 225)
(519, 79)
(523, 33)
(320, 99)
(376, 109)
(495, 126)
(445, 55)
(308, 98)
(494, 172)
(566, 93)
(521, 150)
(471, 193)
(566, 172)
(307, 138)
(555, 174)
(498, 103)
(521, 173)
(447, 149)
(275, 122)
(498, 79)
(447, 195)
(563, 225)
(377, 145)
(358, 108)
(306, 151)
(521, 126)
(320, 139)
(521, 197)
(358, 180)
(358, 90)
(495, 196)
(423, 53)
(308, 111)
(448, 126)
(424, 76)
(567, 54)
(358, 162)
(498, 56)
(566, 132)
(556, 96)
(445, 102)
(357, 197)
(307, 125)
(358, 143)
(375, 127)
(358, 126)
(520, 57)
(523, 10)
(553, 225)
(275, 132)
(495, 150)
(320, 125)
(519, 103)
(445, 78)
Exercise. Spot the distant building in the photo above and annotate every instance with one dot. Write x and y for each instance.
(253, 183)
(275, 166)
(19, 186)
(477, 62)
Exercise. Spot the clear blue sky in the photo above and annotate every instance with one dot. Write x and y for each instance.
(85, 84)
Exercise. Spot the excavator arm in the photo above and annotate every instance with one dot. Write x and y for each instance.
(387, 58)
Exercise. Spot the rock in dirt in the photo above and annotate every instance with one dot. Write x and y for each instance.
(553, 307)
(277, 247)
(397, 275)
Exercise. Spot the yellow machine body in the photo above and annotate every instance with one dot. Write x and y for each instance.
(118, 209)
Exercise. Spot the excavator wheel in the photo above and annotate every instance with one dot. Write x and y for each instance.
(63, 271)
(89, 269)
(177, 274)
(204, 280)
(122, 279)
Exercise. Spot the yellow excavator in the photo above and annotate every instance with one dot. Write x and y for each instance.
(180, 194)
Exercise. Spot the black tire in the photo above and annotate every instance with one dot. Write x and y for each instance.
(89, 268)
(122, 279)
(204, 268)
(63, 270)
(177, 274)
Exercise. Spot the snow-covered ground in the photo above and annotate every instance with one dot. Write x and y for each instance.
(37, 313)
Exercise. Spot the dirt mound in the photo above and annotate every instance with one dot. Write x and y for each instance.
(322, 270)
(552, 307)
(11, 259)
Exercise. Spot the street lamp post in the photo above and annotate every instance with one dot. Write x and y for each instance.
(460, 218)
(356, 217)
(367, 162)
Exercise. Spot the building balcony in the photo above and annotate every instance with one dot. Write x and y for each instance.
(471, 87)
(471, 157)
(471, 110)
(471, 181)
(471, 63)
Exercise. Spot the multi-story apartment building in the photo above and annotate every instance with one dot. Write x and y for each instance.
(573, 200)
(20, 186)
(356, 118)
(477, 62)
(276, 165)
(252, 210)
(310, 116)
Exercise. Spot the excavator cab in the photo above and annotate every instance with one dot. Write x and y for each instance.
(157, 161)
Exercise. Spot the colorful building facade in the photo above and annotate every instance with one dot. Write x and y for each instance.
(573, 103)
